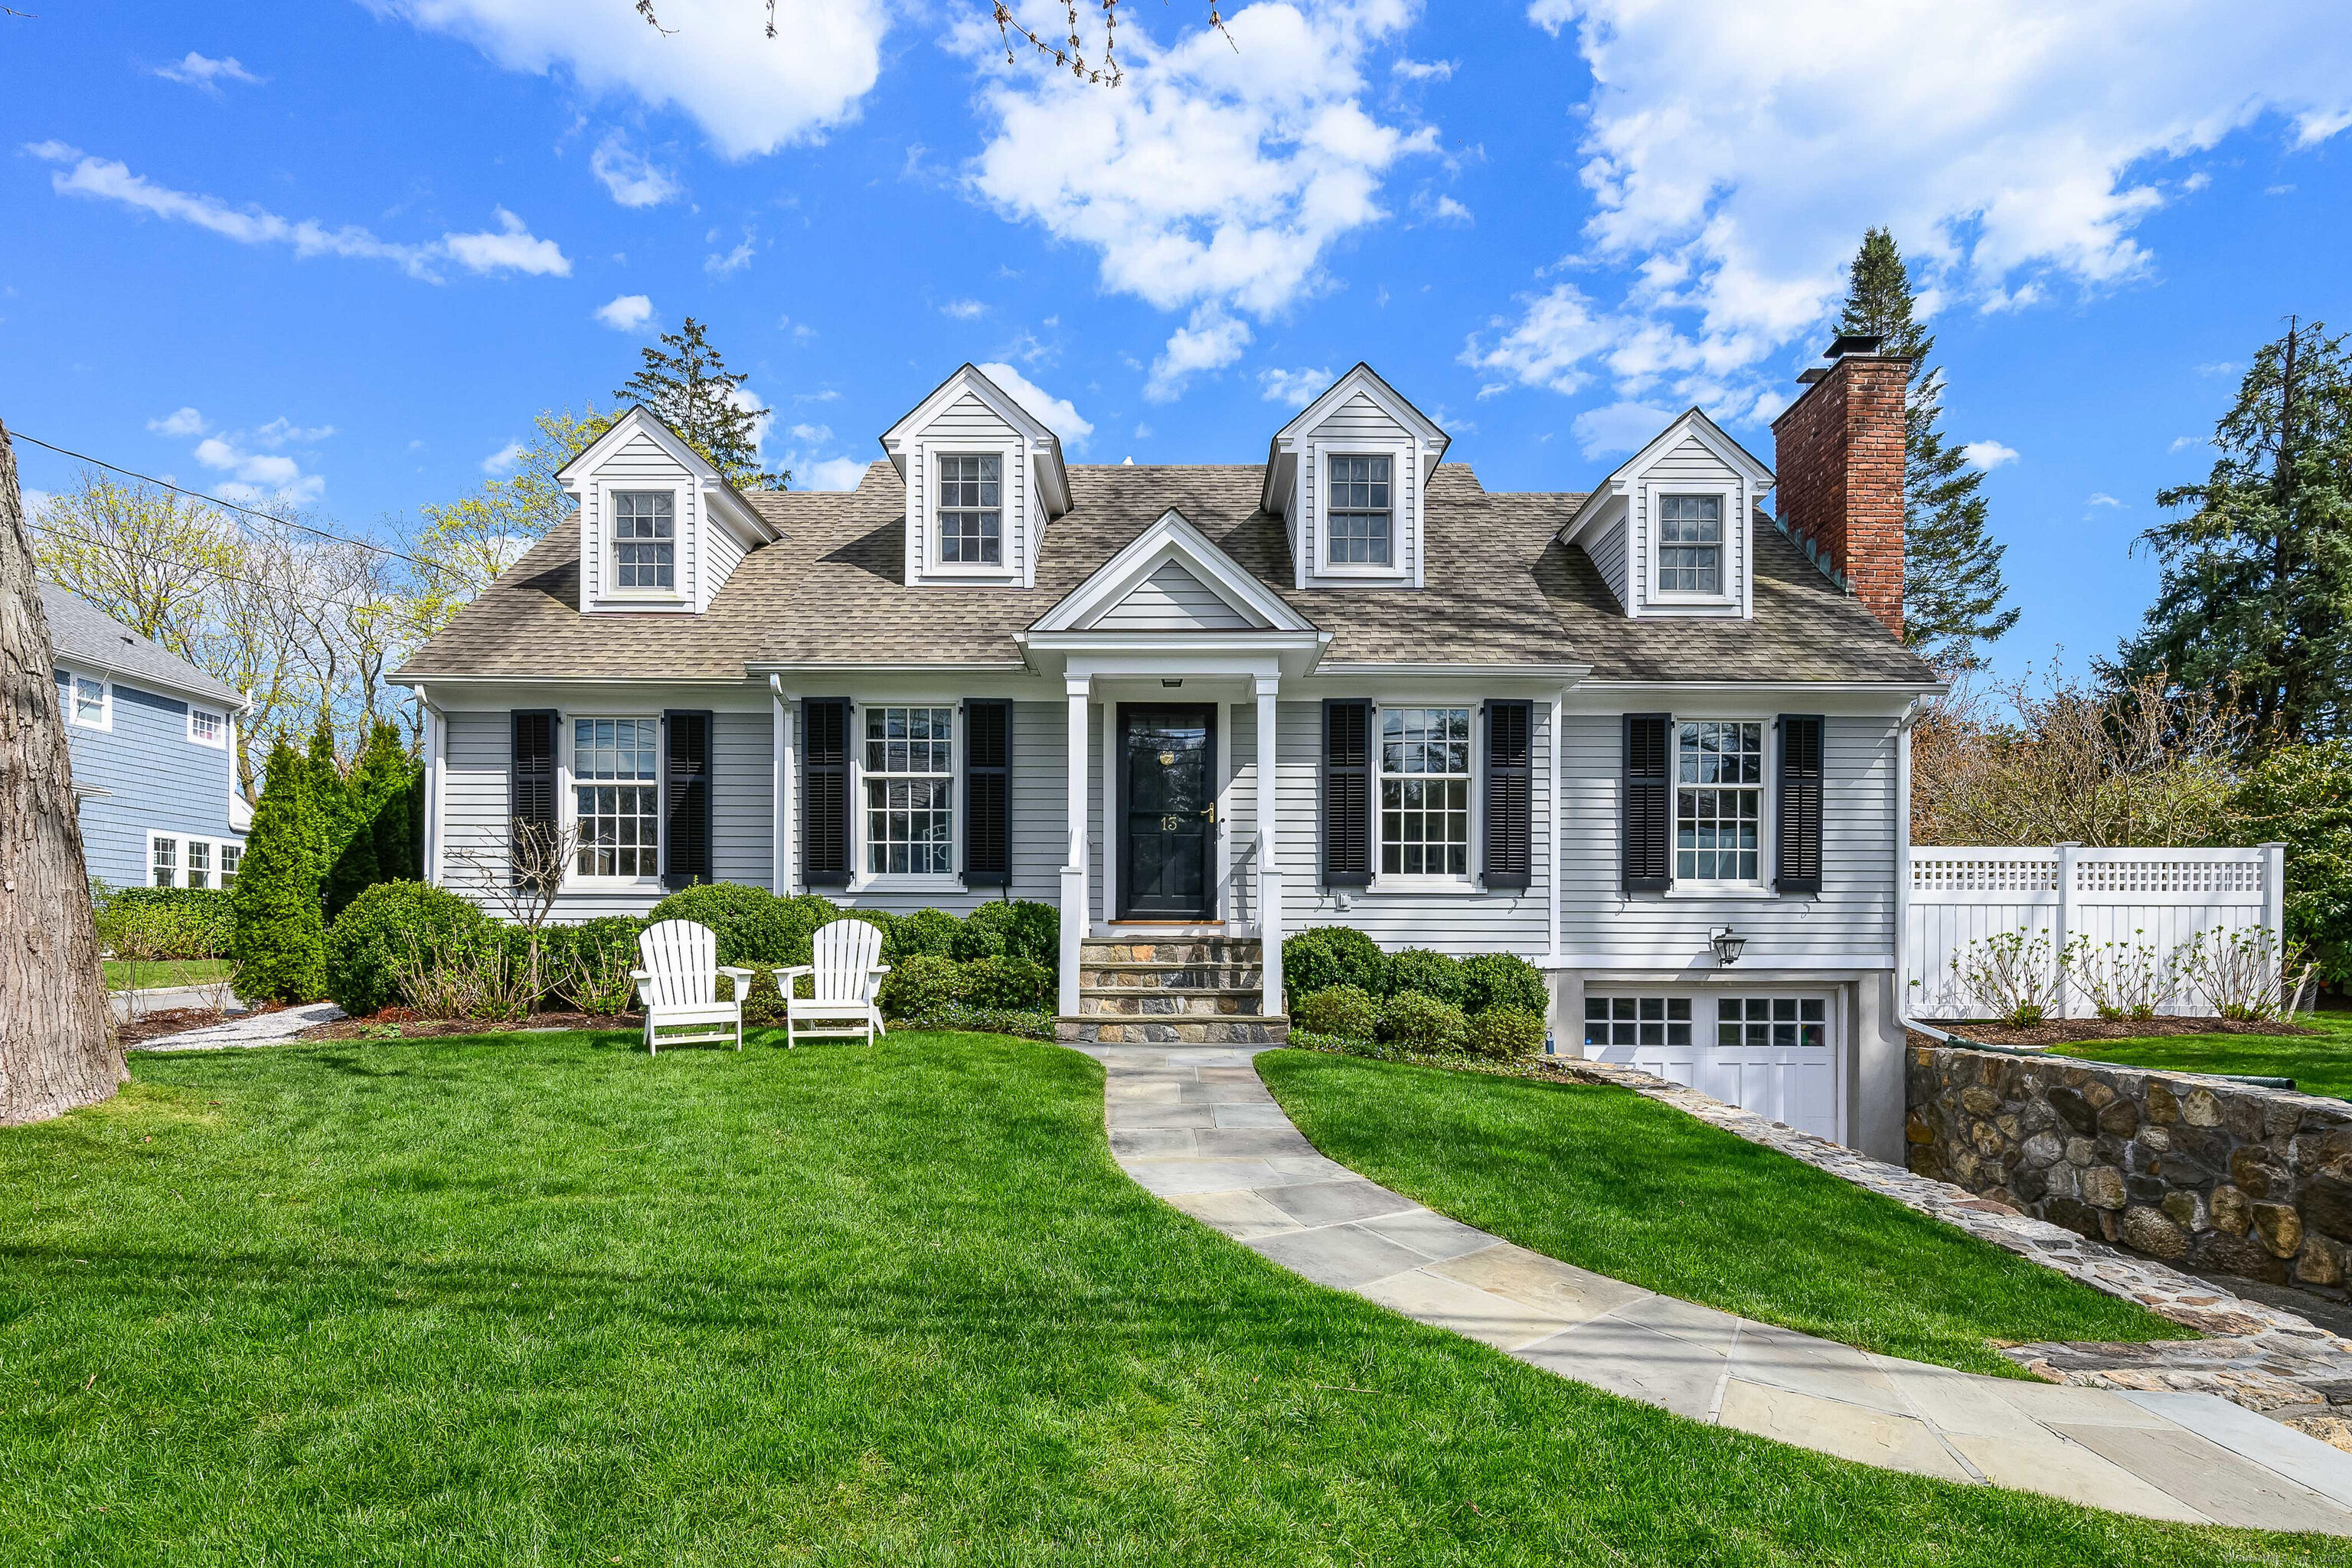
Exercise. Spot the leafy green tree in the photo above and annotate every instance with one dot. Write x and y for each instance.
(685, 383)
(280, 947)
(1952, 586)
(2302, 797)
(472, 539)
(2257, 586)
(376, 848)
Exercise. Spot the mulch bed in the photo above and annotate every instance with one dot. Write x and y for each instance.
(402, 1024)
(2060, 1031)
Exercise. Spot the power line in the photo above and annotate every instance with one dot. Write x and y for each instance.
(116, 547)
(232, 506)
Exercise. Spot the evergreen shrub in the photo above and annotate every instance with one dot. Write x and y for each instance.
(280, 942)
(1423, 1023)
(1320, 957)
(381, 928)
(1346, 1012)
(1431, 974)
(1009, 984)
(1508, 1033)
(1491, 979)
(921, 985)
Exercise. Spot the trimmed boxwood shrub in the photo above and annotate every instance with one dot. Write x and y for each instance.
(1323, 956)
(1347, 1012)
(1033, 931)
(983, 933)
(920, 985)
(1431, 974)
(1508, 1033)
(804, 913)
(1007, 984)
(561, 947)
(1421, 1022)
(753, 926)
(169, 923)
(1491, 979)
(926, 933)
(380, 927)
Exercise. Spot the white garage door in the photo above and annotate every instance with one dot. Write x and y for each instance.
(1775, 1054)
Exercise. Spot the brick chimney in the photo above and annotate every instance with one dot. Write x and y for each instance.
(1839, 453)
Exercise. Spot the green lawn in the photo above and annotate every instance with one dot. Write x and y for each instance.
(2319, 1064)
(1627, 1187)
(167, 972)
(543, 1298)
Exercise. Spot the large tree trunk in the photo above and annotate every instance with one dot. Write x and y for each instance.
(56, 1037)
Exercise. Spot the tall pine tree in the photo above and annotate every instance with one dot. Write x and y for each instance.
(686, 383)
(280, 944)
(2257, 586)
(1952, 587)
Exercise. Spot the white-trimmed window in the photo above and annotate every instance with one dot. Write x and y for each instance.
(908, 769)
(1690, 544)
(1754, 1021)
(1719, 800)
(1360, 516)
(88, 702)
(186, 861)
(200, 863)
(1425, 791)
(230, 856)
(616, 796)
(163, 860)
(971, 517)
(1636, 1021)
(645, 541)
(206, 728)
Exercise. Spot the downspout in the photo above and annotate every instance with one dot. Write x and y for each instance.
(1903, 727)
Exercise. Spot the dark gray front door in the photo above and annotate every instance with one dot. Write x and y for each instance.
(1167, 810)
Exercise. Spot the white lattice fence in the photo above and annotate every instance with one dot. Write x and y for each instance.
(2122, 902)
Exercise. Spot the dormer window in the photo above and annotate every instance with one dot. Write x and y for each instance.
(972, 509)
(1362, 513)
(645, 541)
(1690, 544)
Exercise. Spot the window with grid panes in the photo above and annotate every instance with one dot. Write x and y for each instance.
(1359, 512)
(1690, 544)
(972, 516)
(1425, 791)
(1719, 800)
(910, 768)
(645, 540)
(89, 701)
(200, 863)
(1756, 1020)
(166, 863)
(230, 855)
(616, 786)
(1637, 1021)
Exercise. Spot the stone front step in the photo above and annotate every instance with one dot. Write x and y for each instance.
(1094, 1029)
(1172, 976)
(1224, 951)
(1191, 1001)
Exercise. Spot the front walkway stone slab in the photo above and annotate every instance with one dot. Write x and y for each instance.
(251, 1029)
(2189, 1456)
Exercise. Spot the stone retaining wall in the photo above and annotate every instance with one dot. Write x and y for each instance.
(2211, 1174)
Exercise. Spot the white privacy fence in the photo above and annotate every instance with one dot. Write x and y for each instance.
(2108, 907)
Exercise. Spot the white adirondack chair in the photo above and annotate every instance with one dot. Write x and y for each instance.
(679, 985)
(848, 978)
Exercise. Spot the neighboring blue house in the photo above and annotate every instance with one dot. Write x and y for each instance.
(154, 741)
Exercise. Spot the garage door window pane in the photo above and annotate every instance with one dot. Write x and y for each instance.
(1637, 1021)
(1757, 1021)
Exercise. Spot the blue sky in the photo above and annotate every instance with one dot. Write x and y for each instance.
(343, 251)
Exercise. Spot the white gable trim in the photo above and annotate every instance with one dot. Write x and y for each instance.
(1049, 471)
(1691, 423)
(728, 504)
(1171, 538)
(1274, 495)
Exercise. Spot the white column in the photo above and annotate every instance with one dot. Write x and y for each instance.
(2274, 898)
(1269, 865)
(782, 838)
(436, 815)
(1557, 796)
(1074, 869)
(2062, 931)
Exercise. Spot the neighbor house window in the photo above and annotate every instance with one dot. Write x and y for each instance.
(230, 855)
(1690, 544)
(645, 540)
(205, 728)
(1719, 800)
(165, 858)
(1772, 1021)
(910, 768)
(972, 510)
(1425, 791)
(1636, 1021)
(200, 863)
(1359, 511)
(617, 789)
(89, 702)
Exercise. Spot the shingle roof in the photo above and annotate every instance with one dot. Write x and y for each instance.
(1501, 590)
(79, 632)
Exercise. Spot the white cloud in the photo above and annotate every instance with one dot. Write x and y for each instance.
(1988, 455)
(816, 435)
(179, 422)
(504, 460)
(509, 248)
(751, 93)
(1211, 340)
(1422, 70)
(265, 476)
(1296, 387)
(963, 309)
(283, 432)
(1055, 412)
(2186, 443)
(628, 177)
(196, 71)
(734, 261)
(2101, 497)
(626, 312)
(1619, 427)
(1548, 346)
(1438, 208)
(830, 474)
(1212, 179)
(1734, 156)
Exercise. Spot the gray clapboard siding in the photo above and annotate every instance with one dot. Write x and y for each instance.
(1691, 463)
(154, 778)
(1606, 545)
(742, 810)
(1359, 420)
(1172, 599)
(641, 460)
(968, 419)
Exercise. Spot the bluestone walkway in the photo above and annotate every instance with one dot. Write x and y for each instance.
(1198, 1128)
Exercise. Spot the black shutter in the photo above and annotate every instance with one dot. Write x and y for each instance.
(685, 773)
(1510, 795)
(1649, 802)
(988, 792)
(825, 791)
(531, 782)
(1347, 793)
(1800, 824)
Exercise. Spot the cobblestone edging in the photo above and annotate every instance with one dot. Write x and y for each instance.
(2261, 1357)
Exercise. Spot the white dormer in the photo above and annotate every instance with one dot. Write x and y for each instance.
(1347, 477)
(1671, 530)
(660, 529)
(984, 477)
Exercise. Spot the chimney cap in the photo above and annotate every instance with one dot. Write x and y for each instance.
(1855, 344)
(1811, 374)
